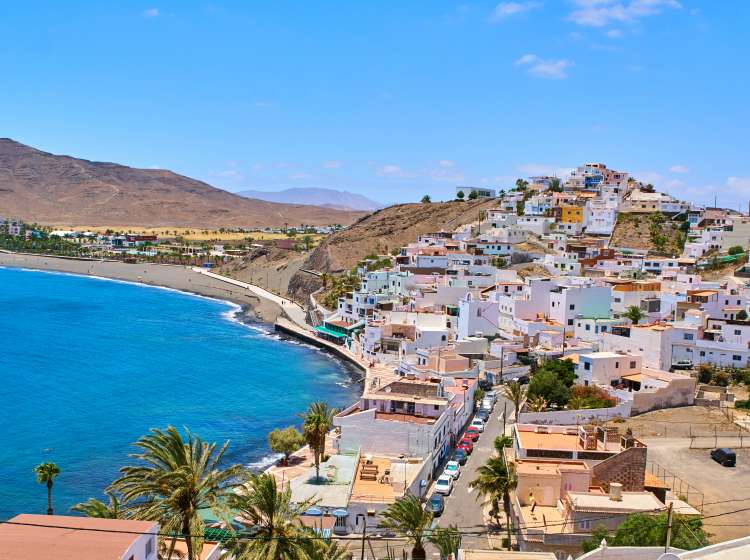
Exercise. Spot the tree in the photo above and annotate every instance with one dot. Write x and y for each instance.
(554, 185)
(552, 382)
(736, 250)
(494, 482)
(635, 314)
(286, 441)
(742, 315)
(644, 529)
(275, 520)
(473, 195)
(521, 185)
(407, 516)
(447, 540)
(516, 393)
(308, 241)
(97, 508)
(317, 423)
(315, 548)
(46, 473)
(426, 199)
(600, 532)
(175, 478)
(501, 442)
(460, 195)
(537, 404)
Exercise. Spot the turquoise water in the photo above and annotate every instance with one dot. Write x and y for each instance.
(89, 365)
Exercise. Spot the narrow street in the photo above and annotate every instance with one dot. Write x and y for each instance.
(463, 508)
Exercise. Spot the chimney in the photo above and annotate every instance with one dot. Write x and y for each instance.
(615, 491)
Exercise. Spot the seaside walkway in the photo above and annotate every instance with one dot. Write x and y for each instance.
(289, 308)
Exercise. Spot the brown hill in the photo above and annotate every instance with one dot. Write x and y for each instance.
(381, 232)
(654, 232)
(41, 187)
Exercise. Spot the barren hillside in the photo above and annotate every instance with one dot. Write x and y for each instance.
(654, 232)
(41, 187)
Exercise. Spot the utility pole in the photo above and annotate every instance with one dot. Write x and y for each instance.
(364, 533)
(669, 528)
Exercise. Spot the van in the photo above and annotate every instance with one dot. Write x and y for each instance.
(487, 404)
(725, 457)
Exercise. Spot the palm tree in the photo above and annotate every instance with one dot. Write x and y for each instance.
(516, 393)
(97, 508)
(635, 314)
(501, 442)
(315, 548)
(274, 518)
(46, 474)
(447, 540)
(317, 423)
(407, 516)
(494, 482)
(537, 404)
(176, 478)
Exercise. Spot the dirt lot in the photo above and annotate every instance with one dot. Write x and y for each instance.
(717, 483)
(677, 422)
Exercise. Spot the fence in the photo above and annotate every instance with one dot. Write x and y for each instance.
(716, 438)
(684, 490)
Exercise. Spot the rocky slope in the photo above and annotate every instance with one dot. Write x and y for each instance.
(41, 187)
(381, 232)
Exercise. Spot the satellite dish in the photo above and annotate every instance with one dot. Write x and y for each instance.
(387, 389)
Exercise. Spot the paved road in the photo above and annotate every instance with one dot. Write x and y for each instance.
(463, 508)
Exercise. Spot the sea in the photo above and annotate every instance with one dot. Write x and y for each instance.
(89, 365)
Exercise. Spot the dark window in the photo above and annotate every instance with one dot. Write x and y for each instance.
(587, 365)
(632, 365)
(572, 307)
(737, 358)
(570, 322)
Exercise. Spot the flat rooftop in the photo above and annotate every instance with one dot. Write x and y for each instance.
(64, 542)
(631, 501)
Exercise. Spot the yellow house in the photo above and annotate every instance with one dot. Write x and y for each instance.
(571, 214)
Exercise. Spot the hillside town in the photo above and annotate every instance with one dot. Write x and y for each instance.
(534, 336)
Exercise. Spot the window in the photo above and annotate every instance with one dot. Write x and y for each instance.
(587, 365)
(572, 306)
(632, 365)
(588, 327)
(737, 332)
(570, 322)
(703, 353)
(687, 336)
(737, 358)
(617, 365)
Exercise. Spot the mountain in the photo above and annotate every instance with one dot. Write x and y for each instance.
(37, 186)
(329, 198)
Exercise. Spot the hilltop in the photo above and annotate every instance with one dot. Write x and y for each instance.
(329, 198)
(381, 232)
(37, 186)
(655, 232)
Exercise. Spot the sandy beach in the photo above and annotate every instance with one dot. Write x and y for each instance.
(170, 276)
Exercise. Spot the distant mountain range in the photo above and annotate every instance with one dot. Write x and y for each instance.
(330, 198)
(50, 189)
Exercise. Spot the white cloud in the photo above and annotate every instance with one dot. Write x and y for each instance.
(553, 69)
(649, 177)
(332, 164)
(446, 171)
(615, 34)
(151, 13)
(506, 9)
(598, 13)
(393, 171)
(679, 169)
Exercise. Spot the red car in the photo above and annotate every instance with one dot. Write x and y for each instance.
(467, 445)
(472, 433)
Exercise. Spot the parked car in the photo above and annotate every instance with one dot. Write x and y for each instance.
(523, 379)
(484, 415)
(444, 484)
(467, 445)
(488, 404)
(485, 385)
(472, 433)
(461, 455)
(477, 423)
(725, 457)
(491, 395)
(435, 505)
(452, 469)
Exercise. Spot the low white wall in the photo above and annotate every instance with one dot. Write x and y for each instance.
(572, 417)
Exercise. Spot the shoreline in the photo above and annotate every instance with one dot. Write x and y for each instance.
(253, 308)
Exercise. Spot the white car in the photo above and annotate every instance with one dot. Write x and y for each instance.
(478, 423)
(452, 469)
(444, 484)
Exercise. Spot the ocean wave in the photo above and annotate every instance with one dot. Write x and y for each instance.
(264, 462)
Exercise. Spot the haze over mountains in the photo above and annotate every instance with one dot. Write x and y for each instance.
(37, 186)
(329, 198)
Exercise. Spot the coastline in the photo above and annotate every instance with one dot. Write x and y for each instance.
(254, 308)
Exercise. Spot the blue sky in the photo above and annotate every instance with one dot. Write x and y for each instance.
(389, 99)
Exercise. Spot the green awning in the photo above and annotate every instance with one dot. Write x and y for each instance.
(328, 332)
